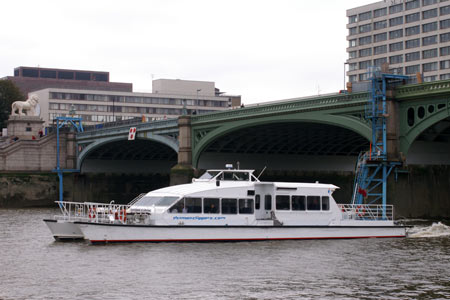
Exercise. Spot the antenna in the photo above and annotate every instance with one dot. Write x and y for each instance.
(261, 172)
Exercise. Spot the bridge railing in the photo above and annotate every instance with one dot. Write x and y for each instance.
(124, 128)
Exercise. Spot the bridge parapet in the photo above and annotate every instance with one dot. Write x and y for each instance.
(289, 106)
(426, 89)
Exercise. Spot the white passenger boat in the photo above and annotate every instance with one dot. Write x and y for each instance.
(233, 205)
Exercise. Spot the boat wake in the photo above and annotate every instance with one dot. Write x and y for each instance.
(434, 230)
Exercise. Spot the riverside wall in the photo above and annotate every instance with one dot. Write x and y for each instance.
(423, 192)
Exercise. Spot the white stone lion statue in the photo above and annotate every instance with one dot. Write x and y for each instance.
(27, 107)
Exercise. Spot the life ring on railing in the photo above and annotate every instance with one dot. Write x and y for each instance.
(92, 213)
(121, 215)
(360, 210)
(343, 208)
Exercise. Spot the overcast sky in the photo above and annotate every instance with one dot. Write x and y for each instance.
(262, 50)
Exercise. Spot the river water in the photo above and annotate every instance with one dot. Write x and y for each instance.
(33, 266)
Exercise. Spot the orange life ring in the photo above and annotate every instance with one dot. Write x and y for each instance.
(122, 216)
(92, 213)
(360, 210)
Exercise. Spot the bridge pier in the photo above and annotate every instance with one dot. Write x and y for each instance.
(392, 127)
(183, 172)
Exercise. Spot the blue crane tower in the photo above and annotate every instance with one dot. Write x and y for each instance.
(373, 167)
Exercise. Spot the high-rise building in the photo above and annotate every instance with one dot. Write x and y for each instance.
(412, 37)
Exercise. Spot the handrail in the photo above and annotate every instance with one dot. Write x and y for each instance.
(366, 211)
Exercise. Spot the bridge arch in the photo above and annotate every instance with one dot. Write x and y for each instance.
(348, 122)
(163, 141)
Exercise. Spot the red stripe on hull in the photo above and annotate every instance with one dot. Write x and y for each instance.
(243, 240)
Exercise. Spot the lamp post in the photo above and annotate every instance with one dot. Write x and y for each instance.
(198, 90)
(345, 63)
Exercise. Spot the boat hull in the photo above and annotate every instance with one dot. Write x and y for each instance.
(116, 233)
(64, 230)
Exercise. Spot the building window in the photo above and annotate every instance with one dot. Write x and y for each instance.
(433, 66)
(352, 43)
(412, 56)
(379, 25)
(444, 76)
(396, 71)
(396, 47)
(352, 54)
(412, 18)
(380, 12)
(428, 14)
(380, 37)
(30, 73)
(100, 77)
(412, 44)
(412, 30)
(363, 77)
(444, 24)
(445, 37)
(65, 75)
(365, 52)
(430, 78)
(48, 74)
(378, 62)
(429, 40)
(445, 64)
(428, 2)
(443, 51)
(395, 34)
(352, 19)
(365, 28)
(365, 16)
(363, 65)
(82, 76)
(352, 31)
(352, 78)
(412, 69)
(396, 21)
(429, 27)
(445, 10)
(352, 66)
(380, 49)
(429, 53)
(412, 4)
(365, 40)
(396, 59)
(396, 8)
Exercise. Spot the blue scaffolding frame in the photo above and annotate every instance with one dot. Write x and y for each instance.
(373, 167)
(61, 122)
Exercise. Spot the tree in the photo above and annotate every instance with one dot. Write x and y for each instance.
(9, 93)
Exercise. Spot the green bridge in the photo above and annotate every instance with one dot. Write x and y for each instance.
(325, 131)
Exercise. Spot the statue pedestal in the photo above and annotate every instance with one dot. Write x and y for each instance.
(24, 127)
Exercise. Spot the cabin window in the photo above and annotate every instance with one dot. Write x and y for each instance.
(229, 206)
(325, 203)
(250, 193)
(193, 205)
(178, 207)
(298, 203)
(211, 205)
(246, 206)
(257, 201)
(236, 176)
(313, 202)
(268, 202)
(282, 202)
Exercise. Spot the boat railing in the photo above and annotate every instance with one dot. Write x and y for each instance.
(367, 211)
(93, 212)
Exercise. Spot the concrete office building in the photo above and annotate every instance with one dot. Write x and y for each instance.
(167, 100)
(411, 36)
(29, 79)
